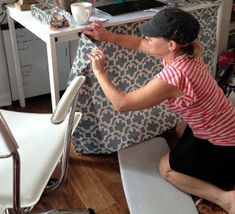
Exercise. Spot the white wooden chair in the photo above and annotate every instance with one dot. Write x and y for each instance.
(145, 190)
(31, 146)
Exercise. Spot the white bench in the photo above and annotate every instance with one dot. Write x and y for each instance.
(145, 190)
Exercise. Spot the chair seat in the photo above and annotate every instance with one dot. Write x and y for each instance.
(145, 190)
(32, 141)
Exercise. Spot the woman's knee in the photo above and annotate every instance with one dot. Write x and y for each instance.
(164, 166)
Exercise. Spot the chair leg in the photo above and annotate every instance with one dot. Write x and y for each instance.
(6, 211)
(12, 211)
(55, 183)
(55, 211)
(70, 211)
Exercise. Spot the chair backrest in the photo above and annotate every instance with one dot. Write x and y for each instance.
(65, 110)
(66, 103)
(67, 100)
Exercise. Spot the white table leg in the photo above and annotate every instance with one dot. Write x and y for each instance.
(53, 72)
(19, 80)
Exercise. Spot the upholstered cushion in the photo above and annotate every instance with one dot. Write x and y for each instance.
(145, 190)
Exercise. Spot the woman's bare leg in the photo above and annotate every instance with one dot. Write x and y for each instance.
(197, 187)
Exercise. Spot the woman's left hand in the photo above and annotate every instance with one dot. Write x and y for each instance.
(97, 58)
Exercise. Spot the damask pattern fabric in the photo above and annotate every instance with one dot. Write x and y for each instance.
(104, 130)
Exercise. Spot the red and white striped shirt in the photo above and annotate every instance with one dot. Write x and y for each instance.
(203, 106)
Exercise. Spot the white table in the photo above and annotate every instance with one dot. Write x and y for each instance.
(51, 37)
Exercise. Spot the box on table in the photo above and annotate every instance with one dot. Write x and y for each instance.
(51, 15)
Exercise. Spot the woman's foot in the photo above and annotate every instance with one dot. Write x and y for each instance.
(207, 207)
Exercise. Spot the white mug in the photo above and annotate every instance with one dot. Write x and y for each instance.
(81, 12)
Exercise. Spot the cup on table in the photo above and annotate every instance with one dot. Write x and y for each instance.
(81, 12)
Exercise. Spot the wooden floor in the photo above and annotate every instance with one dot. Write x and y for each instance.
(93, 180)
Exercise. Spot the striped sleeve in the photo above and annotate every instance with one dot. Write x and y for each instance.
(170, 76)
(174, 77)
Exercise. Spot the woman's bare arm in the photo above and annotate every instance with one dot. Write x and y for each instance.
(152, 94)
(98, 32)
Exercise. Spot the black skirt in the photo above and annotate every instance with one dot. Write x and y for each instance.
(201, 159)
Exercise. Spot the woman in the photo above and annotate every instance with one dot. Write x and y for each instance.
(199, 163)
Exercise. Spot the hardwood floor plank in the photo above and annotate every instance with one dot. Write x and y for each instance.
(110, 176)
(89, 187)
(65, 197)
(112, 210)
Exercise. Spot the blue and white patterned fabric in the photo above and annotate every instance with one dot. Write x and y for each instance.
(104, 130)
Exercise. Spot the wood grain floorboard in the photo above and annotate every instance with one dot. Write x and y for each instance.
(112, 209)
(90, 188)
(87, 187)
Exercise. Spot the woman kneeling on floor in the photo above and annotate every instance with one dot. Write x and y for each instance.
(200, 163)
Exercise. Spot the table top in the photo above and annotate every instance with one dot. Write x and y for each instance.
(43, 31)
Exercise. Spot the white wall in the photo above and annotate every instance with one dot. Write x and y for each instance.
(5, 94)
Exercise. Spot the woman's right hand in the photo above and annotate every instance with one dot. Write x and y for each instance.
(97, 58)
(96, 31)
